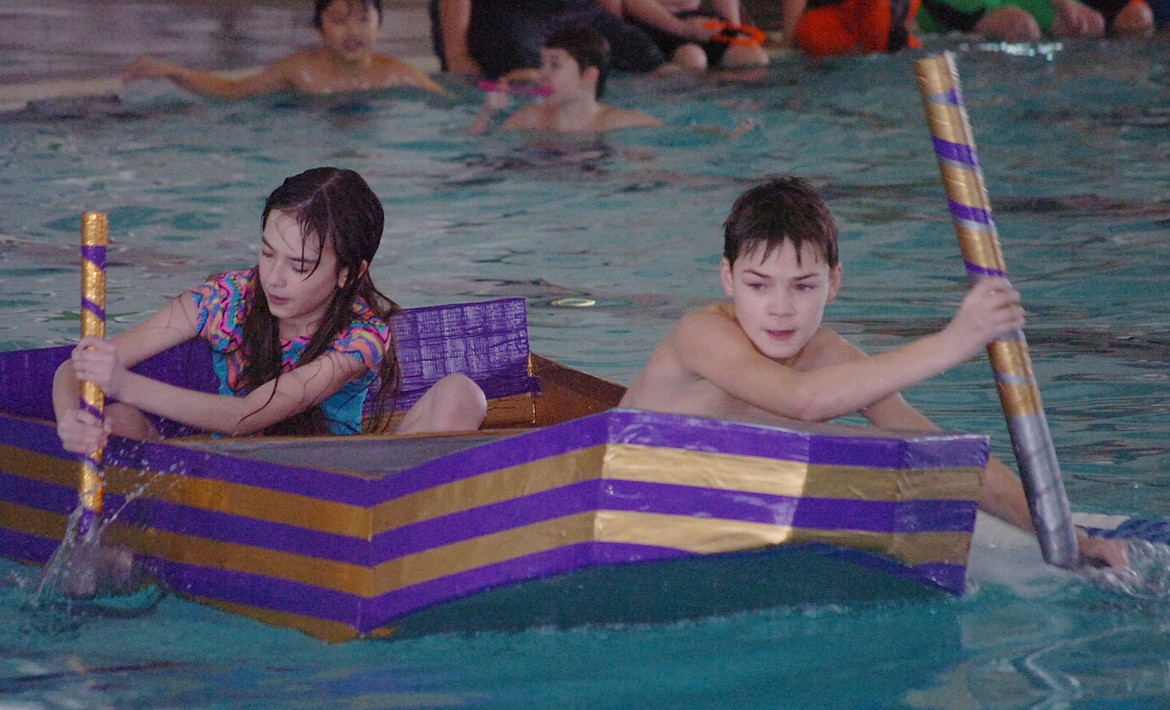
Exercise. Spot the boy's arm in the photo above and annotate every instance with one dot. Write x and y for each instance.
(831, 378)
(417, 77)
(1002, 494)
(267, 81)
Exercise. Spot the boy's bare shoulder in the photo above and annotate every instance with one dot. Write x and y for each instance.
(529, 117)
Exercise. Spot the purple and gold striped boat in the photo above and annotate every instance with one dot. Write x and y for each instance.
(561, 511)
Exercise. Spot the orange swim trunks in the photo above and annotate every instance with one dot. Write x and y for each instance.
(867, 26)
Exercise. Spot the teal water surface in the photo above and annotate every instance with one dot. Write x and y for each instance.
(610, 240)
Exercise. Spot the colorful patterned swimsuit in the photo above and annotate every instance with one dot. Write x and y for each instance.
(222, 303)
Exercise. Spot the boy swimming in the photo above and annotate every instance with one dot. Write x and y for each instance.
(345, 61)
(574, 64)
(765, 355)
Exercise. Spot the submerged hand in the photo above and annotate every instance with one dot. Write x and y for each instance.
(1102, 552)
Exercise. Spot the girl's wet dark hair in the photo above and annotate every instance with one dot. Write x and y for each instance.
(587, 47)
(320, 5)
(333, 207)
(783, 209)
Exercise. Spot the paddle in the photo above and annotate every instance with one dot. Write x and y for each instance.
(954, 146)
(94, 239)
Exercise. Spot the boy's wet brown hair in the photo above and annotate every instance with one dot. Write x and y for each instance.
(587, 47)
(782, 209)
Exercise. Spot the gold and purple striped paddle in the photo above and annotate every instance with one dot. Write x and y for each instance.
(94, 239)
(970, 207)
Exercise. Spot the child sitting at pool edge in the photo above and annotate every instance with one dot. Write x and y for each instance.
(574, 64)
(346, 61)
(766, 355)
(298, 341)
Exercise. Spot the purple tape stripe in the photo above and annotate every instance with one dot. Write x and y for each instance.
(968, 213)
(18, 545)
(956, 153)
(94, 308)
(36, 494)
(95, 253)
(981, 271)
(664, 499)
(258, 591)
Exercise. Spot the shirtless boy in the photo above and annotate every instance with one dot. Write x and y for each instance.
(345, 61)
(574, 64)
(766, 355)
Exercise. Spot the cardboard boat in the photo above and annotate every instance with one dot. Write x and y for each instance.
(562, 510)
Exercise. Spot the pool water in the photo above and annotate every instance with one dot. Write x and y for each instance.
(610, 240)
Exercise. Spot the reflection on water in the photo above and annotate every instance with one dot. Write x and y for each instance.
(610, 240)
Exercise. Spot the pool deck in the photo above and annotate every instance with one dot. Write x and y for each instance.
(63, 48)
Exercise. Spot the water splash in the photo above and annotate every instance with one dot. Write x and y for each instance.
(1146, 577)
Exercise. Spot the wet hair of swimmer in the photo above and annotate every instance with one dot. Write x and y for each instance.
(321, 5)
(587, 47)
(782, 209)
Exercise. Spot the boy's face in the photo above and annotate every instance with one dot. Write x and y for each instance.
(562, 76)
(779, 302)
(350, 28)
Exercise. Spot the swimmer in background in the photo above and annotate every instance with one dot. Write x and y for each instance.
(574, 64)
(346, 61)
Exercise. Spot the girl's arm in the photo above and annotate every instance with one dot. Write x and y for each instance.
(268, 81)
(274, 401)
(80, 431)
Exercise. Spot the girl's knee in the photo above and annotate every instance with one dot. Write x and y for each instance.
(691, 57)
(129, 422)
(459, 403)
(744, 57)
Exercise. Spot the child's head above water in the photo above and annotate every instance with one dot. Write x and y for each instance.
(585, 46)
(782, 209)
(335, 210)
(320, 6)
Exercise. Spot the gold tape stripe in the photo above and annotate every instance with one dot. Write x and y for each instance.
(207, 494)
(787, 478)
(980, 247)
(492, 487)
(1019, 400)
(935, 75)
(32, 521)
(620, 461)
(709, 536)
(964, 186)
(1011, 358)
(949, 123)
(698, 535)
